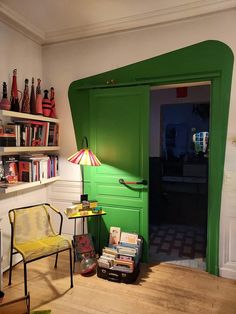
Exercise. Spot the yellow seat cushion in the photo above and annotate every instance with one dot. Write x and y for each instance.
(31, 250)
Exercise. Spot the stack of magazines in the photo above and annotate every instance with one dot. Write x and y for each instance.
(123, 253)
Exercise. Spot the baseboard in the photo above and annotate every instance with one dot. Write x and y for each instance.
(228, 272)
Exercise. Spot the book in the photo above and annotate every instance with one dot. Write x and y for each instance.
(10, 165)
(9, 129)
(111, 251)
(114, 235)
(125, 257)
(25, 171)
(126, 264)
(104, 263)
(83, 245)
(1, 169)
(53, 134)
(7, 139)
(126, 251)
(129, 238)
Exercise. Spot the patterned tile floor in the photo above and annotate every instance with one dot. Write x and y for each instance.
(177, 244)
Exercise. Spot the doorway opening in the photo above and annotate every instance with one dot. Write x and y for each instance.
(178, 166)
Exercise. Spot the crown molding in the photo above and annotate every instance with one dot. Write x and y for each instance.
(152, 18)
(16, 21)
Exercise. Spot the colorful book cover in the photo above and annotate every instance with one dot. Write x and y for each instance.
(114, 236)
(10, 164)
(25, 171)
(83, 245)
(129, 238)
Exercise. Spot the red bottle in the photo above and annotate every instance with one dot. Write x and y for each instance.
(47, 106)
(15, 105)
(32, 99)
(5, 103)
(25, 105)
(39, 98)
(53, 105)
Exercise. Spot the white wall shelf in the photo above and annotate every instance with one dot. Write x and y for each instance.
(14, 187)
(21, 149)
(21, 115)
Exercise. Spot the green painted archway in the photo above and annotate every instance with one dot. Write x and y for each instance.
(205, 61)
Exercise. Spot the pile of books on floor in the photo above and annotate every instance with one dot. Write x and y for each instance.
(123, 253)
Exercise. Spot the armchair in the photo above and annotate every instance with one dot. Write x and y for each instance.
(33, 237)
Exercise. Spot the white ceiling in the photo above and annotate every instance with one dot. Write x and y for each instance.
(49, 21)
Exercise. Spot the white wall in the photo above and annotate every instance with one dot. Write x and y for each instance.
(17, 51)
(66, 62)
(21, 53)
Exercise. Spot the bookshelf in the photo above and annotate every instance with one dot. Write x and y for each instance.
(32, 121)
(9, 188)
(27, 116)
(22, 149)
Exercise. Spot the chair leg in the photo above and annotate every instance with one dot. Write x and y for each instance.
(55, 266)
(25, 278)
(11, 257)
(71, 270)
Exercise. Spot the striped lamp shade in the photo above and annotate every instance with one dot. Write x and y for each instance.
(84, 157)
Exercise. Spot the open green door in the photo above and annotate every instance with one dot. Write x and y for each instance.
(119, 136)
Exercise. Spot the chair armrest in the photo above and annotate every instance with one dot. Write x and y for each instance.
(59, 213)
(53, 208)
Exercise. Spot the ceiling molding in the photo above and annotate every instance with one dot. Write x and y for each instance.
(200, 7)
(16, 21)
(155, 17)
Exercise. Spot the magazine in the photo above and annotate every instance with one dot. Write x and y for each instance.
(83, 246)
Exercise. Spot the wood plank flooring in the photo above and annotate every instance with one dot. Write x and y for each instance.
(160, 289)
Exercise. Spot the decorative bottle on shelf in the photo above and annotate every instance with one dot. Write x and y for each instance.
(5, 103)
(32, 98)
(52, 99)
(47, 107)
(25, 105)
(39, 98)
(15, 103)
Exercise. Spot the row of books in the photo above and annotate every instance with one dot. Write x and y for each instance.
(123, 252)
(28, 168)
(29, 133)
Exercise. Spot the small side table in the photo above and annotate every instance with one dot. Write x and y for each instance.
(85, 214)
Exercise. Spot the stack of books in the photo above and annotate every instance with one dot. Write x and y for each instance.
(29, 133)
(123, 252)
(28, 167)
(85, 205)
(36, 167)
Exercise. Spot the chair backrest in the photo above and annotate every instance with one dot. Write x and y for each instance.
(31, 223)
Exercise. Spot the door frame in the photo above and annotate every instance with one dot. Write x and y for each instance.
(212, 220)
(205, 61)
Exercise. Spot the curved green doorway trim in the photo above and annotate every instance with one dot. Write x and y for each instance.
(204, 61)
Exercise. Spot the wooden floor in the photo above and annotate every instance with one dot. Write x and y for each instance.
(162, 288)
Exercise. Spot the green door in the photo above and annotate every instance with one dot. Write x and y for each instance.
(119, 136)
